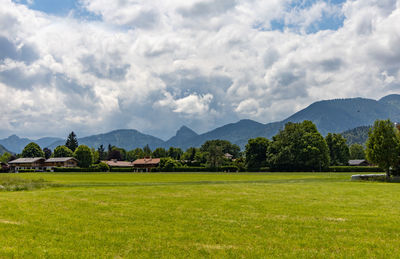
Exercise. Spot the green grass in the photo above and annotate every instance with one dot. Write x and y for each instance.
(201, 216)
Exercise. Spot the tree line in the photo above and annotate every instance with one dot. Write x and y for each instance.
(297, 147)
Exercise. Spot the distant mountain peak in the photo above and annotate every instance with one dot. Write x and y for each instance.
(186, 131)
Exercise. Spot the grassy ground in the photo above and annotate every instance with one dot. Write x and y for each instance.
(201, 215)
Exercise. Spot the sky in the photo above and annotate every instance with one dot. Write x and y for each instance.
(92, 66)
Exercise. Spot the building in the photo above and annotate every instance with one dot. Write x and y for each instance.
(358, 162)
(145, 164)
(35, 163)
(116, 163)
(228, 156)
(60, 162)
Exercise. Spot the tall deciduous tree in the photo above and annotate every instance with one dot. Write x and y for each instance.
(160, 152)
(32, 150)
(47, 152)
(338, 149)
(298, 147)
(62, 151)
(175, 153)
(256, 152)
(357, 151)
(84, 155)
(72, 141)
(383, 145)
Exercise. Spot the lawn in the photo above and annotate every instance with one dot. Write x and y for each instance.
(201, 215)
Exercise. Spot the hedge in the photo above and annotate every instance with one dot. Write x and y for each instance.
(26, 170)
(121, 169)
(367, 169)
(74, 169)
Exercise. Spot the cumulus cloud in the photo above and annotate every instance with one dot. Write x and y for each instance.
(154, 65)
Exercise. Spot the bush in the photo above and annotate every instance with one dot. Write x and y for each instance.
(74, 169)
(366, 169)
(26, 170)
(230, 168)
(121, 169)
(101, 167)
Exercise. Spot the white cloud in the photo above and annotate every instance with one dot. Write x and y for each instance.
(153, 65)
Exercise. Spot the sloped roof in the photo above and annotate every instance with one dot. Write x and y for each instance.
(113, 163)
(147, 161)
(357, 161)
(26, 160)
(60, 159)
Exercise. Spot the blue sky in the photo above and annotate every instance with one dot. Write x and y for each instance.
(156, 65)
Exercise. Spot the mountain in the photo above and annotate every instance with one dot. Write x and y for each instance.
(182, 136)
(3, 150)
(357, 135)
(336, 116)
(16, 144)
(126, 138)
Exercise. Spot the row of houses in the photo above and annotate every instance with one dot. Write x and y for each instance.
(42, 164)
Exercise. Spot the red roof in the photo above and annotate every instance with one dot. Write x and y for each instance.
(147, 161)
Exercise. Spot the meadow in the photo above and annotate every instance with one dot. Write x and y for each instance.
(208, 215)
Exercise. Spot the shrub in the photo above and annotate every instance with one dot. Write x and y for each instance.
(369, 169)
(74, 169)
(121, 169)
(26, 170)
(101, 167)
(230, 168)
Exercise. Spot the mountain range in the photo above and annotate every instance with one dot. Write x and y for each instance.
(336, 116)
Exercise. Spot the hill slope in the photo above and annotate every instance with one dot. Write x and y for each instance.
(3, 150)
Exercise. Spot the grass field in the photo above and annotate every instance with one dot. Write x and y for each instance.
(201, 216)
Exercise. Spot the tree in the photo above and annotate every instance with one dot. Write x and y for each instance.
(226, 146)
(47, 152)
(6, 157)
(84, 155)
(190, 154)
(299, 146)
(147, 150)
(357, 151)
(256, 152)
(338, 150)
(214, 154)
(72, 142)
(32, 150)
(62, 151)
(175, 153)
(168, 164)
(160, 152)
(137, 153)
(102, 153)
(383, 145)
(114, 154)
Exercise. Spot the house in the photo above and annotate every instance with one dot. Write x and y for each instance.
(60, 162)
(228, 156)
(115, 163)
(145, 164)
(36, 163)
(358, 162)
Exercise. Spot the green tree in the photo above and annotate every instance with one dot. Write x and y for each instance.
(62, 151)
(32, 150)
(299, 146)
(190, 154)
(160, 152)
(168, 164)
(256, 153)
(102, 153)
(383, 145)
(72, 142)
(115, 153)
(147, 150)
(175, 153)
(357, 151)
(6, 157)
(214, 154)
(84, 155)
(96, 156)
(47, 153)
(226, 146)
(137, 153)
(338, 150)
